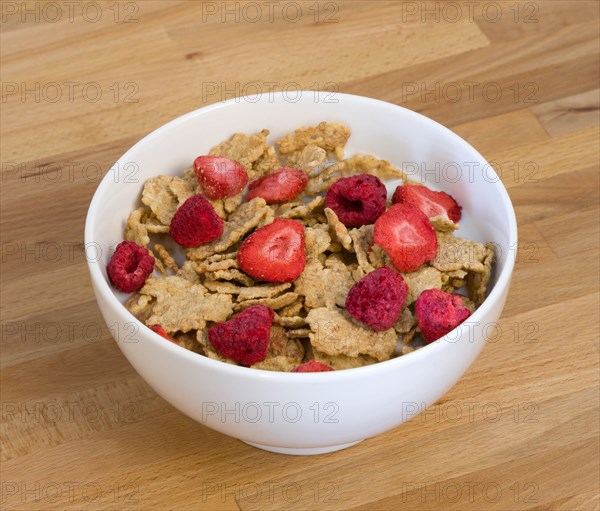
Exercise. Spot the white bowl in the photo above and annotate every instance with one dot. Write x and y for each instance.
(305, 413)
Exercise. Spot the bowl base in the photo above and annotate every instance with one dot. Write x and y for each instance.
(303, 451)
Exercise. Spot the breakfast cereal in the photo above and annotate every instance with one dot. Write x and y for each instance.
(307, 323)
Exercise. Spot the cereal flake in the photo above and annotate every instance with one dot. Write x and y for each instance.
(340, 362)
(325, 135)
(420, 280)
(339, 229)
(358, 164)
(324, 285)
(274, 303)
(181, 305)
(166, 258)
(334, 333)
(245, 149)
(140, 224)
(263, 291)
(362, 239)
(458, 253)
(157, 195)
(307, 159)
(303, 210)
(477, 282)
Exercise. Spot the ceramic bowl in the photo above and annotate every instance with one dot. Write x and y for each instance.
(305, 413)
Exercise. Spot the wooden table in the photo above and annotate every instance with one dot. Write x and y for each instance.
(82, 81)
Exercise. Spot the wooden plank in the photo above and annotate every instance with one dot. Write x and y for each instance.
(514, 20)
(566, 115)
(81, 430)
(565, 235)
(496, 79)
(510, 130)
(530, 164)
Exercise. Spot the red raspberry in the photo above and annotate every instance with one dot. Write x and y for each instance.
(245, 338)
(160, 331)
(439, 313)
(357, 200)
(312, 366)
(195, 222)
(377, 299)
(130, 266)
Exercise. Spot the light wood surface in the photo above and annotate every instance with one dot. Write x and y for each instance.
(81, 430)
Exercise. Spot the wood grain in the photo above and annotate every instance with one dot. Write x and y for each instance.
(81, 430)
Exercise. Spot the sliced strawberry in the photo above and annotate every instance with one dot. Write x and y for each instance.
(160, 331)
(312, 366)
(429, 202)
(439, 313)
(407, 236)
(219, 177)
(275, 252)
(281, 186)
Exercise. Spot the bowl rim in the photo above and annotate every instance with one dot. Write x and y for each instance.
(102, 287)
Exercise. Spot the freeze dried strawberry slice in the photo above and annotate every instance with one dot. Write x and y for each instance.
(281, 186)
(220, 177)
(377, 299)
(312, 366)
(160, 331)
(439, 313)
(244, 338)
(407, 236)
(130, 266)
(275, 252)
(196, 222)
(429, 202)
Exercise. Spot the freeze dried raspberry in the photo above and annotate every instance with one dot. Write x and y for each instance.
(377, 299)
(312, 366)
(160, 331)
(438, 313)
(196, 222)
(357, 200)
(130, 266)
(244, 338)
